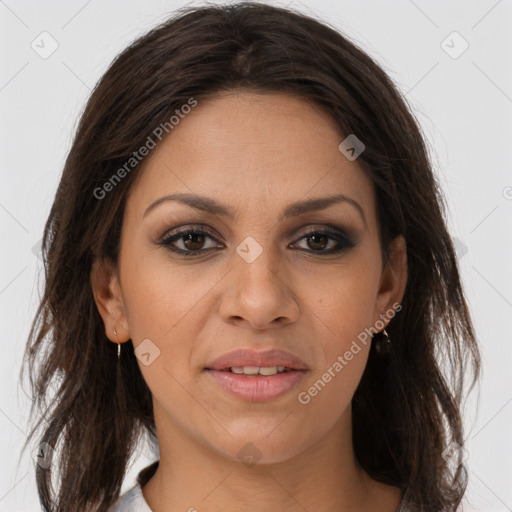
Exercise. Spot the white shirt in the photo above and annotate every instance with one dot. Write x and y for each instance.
(131, 501)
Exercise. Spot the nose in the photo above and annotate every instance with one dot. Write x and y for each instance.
(259, 294)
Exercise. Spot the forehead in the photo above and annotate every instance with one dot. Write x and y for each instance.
(255, 150)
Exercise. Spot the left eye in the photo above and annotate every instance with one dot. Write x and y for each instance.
(194, 239)
(318, 240)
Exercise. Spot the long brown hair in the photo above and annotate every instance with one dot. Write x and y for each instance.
(407, 408)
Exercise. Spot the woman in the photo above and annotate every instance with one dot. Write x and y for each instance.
(247, 260)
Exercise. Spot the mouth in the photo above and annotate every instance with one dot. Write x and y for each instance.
(250, 362)
(256, 371)
(256, 384)
(257, 376)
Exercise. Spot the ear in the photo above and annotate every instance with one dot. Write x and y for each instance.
(393, 280)
(108, 297)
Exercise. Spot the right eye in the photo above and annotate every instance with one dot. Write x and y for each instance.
(192, 239)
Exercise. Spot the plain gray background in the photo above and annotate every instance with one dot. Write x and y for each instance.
(463, 103)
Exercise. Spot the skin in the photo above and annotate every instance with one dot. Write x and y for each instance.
(255, 153)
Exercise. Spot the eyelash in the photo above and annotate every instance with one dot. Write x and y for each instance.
(343, 240)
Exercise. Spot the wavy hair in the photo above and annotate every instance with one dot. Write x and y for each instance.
(91, 412)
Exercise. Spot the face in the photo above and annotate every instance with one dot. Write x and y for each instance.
(267, 276)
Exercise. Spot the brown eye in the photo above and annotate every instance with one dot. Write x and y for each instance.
(192, 241)
(317, 241)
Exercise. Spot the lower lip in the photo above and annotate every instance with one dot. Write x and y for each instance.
(257, 388)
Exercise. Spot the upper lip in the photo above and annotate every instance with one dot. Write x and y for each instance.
(247, 357)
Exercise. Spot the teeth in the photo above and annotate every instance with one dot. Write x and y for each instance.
(272, 370)
(256, 370)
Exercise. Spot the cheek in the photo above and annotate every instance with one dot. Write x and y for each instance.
(168, 307)
(344, 342)
(343, 309)
(160, 299)
(345, 303)
(329, 391)
(326, 395)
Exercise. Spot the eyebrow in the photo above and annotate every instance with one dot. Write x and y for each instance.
(209, 205)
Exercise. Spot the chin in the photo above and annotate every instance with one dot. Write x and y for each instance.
(259, 448)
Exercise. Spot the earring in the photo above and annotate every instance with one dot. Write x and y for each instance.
(383, 345)
(118, 346)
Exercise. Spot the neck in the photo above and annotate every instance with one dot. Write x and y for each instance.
(324, 476)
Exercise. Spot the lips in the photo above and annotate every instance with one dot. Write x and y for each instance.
(256, 376)
(244, 357)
